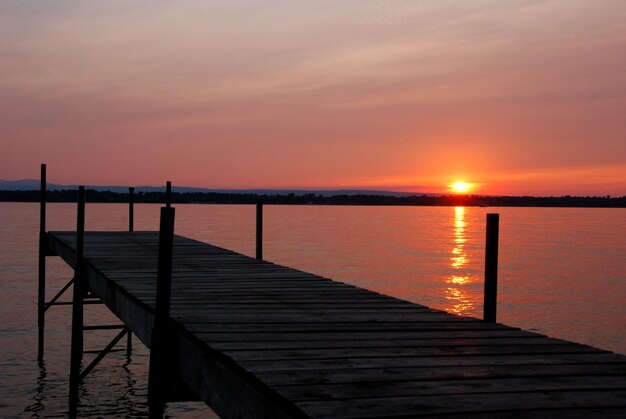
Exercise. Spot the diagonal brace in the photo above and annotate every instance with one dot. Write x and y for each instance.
(104, 352)
(59, 294)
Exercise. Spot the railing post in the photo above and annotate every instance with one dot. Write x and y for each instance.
(259, 229)
(131, 209)
(491, 268)
(77, 305)
(41, 296)
(160, 373)
(168, 194)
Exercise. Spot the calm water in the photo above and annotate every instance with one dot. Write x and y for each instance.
(562, 273)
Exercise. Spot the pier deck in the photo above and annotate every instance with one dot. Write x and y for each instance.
(255, 339)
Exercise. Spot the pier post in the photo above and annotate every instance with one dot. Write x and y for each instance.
(131, 209)
(77, 306)
(131, 227)
(168, 194)
(259, 229)
(160, 372)
(41, 297)
(491, 268)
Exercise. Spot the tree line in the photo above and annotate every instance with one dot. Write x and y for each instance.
(313, 199)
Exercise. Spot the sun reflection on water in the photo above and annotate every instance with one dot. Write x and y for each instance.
(458, 298)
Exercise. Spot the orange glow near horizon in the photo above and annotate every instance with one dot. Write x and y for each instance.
(461, 187)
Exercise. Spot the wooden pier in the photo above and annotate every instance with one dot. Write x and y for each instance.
(254, 339)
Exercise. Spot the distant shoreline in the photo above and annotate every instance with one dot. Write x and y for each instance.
(313, 199)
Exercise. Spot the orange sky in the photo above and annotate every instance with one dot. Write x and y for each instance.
(516, 97)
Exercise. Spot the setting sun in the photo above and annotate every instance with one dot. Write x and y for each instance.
(461, 187)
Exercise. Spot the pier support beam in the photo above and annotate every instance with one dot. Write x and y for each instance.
(259, 229)
(491, 268)
(77, 306)
(161, 374)
(41, 297)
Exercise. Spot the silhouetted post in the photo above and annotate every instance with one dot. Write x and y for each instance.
(259, 229)
(491, 268)
(131, 209)
(41, 299)
(131, 227)
(160, 366)
(77, 305)
(168, 194)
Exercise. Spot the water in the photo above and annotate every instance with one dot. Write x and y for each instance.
(562, 273)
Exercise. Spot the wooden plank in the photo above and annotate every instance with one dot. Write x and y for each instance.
(407, 352)
(202, 325)
(280, 307)
(290, 310)
(198, 315)
(461, 404)
(395, 342)
(377, 389)
(330, 338)
(437, 362)
(583, 367)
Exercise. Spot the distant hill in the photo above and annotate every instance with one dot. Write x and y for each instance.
(21, 185)
(33, 184)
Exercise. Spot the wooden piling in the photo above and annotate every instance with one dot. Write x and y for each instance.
(41, 298)
(77, 306)
(131, 227)
(164, 268)
(131, 209)
(259, 229)
(491, 268)
(168, 194)
(160, 374)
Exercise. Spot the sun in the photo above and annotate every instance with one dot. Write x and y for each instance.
(460, 187)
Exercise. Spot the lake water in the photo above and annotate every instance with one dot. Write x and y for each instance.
(562, 273)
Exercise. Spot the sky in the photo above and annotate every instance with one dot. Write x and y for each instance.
(514, 97)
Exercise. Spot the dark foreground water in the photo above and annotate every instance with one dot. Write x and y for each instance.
(562, 273)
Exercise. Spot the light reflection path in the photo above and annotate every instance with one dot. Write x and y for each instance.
(460, 303)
